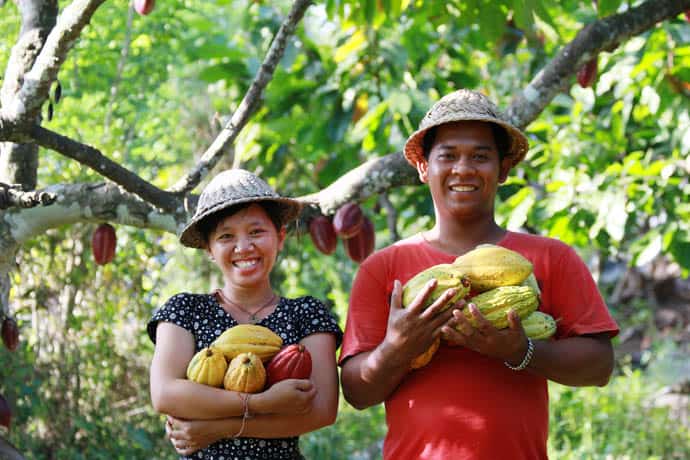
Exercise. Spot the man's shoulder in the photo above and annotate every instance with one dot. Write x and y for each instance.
(407, 245)
(517, 240)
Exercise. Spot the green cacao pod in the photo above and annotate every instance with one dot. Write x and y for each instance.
(489, 266)
(539, 325)
(495, 303)
(447, 276)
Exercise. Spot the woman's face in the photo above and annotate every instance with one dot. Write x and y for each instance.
(245, 246)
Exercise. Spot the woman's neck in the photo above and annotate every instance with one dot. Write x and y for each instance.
(248, 295)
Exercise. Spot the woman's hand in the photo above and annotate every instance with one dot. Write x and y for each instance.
(287, 397)
(188, 436)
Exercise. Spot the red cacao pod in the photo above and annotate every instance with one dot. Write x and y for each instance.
(588, 73)
(348, 220)
(323, 234)
(5, 413)
(291, 362)
(687, 15)
(363, 243)
(144, 7)
(103, 242)
(10, 333)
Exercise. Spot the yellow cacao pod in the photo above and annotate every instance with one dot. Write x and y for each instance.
(246, 374)
(207, 367)
(489, 266)
(447, 276)
(539, 325)
(495, 303)
(249, 338)
(423, 359)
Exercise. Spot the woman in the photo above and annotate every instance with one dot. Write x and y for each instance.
(240, 222)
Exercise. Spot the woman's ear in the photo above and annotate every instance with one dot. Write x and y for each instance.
(423, 170)
(282, 234)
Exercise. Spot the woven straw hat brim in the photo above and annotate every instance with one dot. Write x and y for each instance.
(192, 237)
(441, 113)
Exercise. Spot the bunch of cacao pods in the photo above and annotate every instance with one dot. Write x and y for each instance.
(249, 358)
(351, 225)
(493, 278)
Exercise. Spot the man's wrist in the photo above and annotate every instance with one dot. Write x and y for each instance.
(526, 359)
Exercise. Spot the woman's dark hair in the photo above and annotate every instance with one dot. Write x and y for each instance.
(501, 139)
(209, 223)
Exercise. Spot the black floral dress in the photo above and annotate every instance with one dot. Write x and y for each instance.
(205, 318)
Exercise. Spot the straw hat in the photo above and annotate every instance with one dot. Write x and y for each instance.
(464, 105)
(231, 187)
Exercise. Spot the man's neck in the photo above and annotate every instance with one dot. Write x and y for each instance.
(457, 237)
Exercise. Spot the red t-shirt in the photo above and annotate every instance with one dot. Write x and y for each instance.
(464, 405)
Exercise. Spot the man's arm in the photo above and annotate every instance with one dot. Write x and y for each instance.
(370, 377)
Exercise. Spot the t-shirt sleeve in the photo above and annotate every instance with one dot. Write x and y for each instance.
(177, 310)
(318, 318)
(367, 315)
(576, 302)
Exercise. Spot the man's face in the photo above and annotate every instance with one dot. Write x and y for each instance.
(463, 170)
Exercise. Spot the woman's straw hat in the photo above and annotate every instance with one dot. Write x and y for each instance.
(231, 187)
(464, 105)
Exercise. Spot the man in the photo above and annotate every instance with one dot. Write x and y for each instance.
(484, 393)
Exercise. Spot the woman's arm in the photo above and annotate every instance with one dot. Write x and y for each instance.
(173, 394)
(322, 411)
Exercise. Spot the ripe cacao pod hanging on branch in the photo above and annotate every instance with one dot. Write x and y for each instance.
(292, 362)
(323, 234)
(587, 75)
(10, 333)
(103, 242)
(359, 246)
(144, 7)
(348, 219)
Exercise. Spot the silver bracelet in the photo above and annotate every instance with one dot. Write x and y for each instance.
(525, 360)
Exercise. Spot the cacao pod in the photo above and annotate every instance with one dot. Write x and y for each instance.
(10, 333)
(291, 362)
(246, 374)
(5, 413)
(687, 15)
(539, 325)
(489, 266)
(208, 367)
(348, 220)
(323, 234)
(532, 282)
(587, 73)
(248, 338)
(447, 276)
(423, 359)
(144, 7)
(103, 242)
(360, 246)
(495, 303)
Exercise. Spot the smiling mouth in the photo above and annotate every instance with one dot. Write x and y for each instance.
(463, 188)
(246, 263)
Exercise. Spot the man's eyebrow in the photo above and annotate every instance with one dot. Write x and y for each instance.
(476, 147)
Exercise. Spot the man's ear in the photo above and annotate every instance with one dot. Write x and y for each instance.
(423, 170)
(506, 164)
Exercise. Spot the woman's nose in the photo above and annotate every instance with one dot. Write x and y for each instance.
(243, 244)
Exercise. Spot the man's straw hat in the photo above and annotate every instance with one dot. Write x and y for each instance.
(465, 105)
(231, 187)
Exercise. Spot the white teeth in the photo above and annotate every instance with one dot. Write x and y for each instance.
(245, 263)
(463, 188)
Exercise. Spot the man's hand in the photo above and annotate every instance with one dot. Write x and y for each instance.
(509, 344)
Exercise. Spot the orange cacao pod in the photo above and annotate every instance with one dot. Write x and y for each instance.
(5, 413)
(362, 244)
(292, 362)
(103, 243)
(588, 73)
(10, 333)
(246, 374)
(144, 7)
(348, 220)
(323, 234)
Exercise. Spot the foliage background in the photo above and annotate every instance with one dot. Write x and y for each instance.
(607, 173)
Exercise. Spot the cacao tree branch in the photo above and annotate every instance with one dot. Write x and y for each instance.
(602, 35)
(36, 85)
(13, 196)
(248, 104)
(94, 159)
